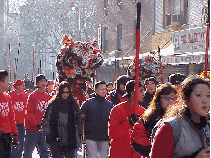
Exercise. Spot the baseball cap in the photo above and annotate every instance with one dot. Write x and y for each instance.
(130, 86)
(18, 82)
(40, 77)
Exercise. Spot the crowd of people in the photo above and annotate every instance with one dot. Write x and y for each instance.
(170, 120)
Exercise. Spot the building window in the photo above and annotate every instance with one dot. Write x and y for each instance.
(119, 4)
(105, 7)
(106, 39)
(174, 13)
(119, 37)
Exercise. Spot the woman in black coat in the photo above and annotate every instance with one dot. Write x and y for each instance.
(59, 123)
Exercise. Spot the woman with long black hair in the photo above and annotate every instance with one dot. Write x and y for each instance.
(164, 97)
(59, 123)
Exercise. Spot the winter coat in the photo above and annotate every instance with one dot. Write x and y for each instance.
(96, 112)
(116, 97)
(147, 99)
(52, 127)
(141, 139)
(192, 139)
(120, 130)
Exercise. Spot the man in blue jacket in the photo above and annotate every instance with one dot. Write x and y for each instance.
(95, 112)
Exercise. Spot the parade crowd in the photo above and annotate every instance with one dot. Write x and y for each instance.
(171, 120)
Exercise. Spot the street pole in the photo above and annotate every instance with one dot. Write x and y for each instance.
(115, 70)
(137, 55)
(32, 62)
(40, 67)
(206, 51)
(10, 63)
(161, 68)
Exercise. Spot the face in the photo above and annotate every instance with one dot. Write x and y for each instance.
(21, 88)
(5, 84)
(167, 100)
(65, 93)
(150, 87)
(101, 90)
(109, 88)
(41, 83)
(122, 87)
(141, 94)
(50, 87)
(199, 103)
(26, 77)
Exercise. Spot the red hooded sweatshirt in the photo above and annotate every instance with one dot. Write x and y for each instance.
(37, 103)
(19, 102)
(120, 130)
(7, 120)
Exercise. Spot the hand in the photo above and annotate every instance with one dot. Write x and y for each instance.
(205, 153)
(133, 119)
(1, 132)
(15, 140)
(81, 139)
(38, 126)
(57, 139)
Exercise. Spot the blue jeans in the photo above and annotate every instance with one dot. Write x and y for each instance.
(17, 152)
(35, 139)
(96, 149)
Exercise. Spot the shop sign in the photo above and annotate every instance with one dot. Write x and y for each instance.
(192, 40)
(182, 59)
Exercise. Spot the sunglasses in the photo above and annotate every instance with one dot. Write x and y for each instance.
(169, 98)
(66, 92)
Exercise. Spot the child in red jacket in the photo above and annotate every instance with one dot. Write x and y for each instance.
(19, 101)
(7, 120)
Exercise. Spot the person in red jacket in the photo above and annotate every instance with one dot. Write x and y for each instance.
(122, 119)
(37, 103)
(7, 120)
(164, 96)
(19, 101)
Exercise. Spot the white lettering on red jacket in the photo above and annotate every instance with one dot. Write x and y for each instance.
(4, 109)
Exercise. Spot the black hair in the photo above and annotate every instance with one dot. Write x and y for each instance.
(122, 80)
(3, 74)
(98, 83)
(150, 79)
(109, 83)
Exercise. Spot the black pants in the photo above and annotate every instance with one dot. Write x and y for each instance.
(59, 151)
(5, 145)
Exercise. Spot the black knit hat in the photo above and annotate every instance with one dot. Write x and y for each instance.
(176, 78)
(123, 79)
(40, 77)
(130, 86)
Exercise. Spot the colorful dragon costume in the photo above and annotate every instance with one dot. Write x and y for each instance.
(76, 62)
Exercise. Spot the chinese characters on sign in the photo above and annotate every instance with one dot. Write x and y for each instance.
(192, 40)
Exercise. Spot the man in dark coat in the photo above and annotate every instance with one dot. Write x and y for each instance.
(95, 112)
